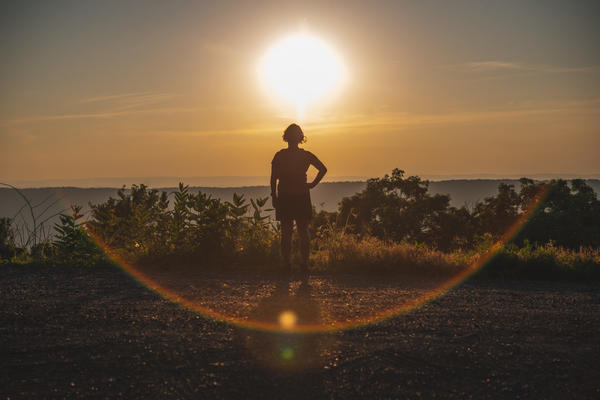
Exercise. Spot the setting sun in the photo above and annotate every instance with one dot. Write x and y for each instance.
(300, 69)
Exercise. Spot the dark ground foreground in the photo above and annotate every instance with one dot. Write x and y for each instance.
(99, 334)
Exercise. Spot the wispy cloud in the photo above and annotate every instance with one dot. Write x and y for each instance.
(499, 66)
(251, 131)
(397, 121)
(126, 101)
(109, 106)
(101, 115)
(113, 97)
(387, 121)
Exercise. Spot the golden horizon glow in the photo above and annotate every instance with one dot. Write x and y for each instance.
(130, 94)
(301, 68)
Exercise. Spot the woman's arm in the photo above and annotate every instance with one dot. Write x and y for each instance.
(322, 171)
(273, 187)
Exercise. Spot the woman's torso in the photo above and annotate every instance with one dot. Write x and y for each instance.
(290, 166)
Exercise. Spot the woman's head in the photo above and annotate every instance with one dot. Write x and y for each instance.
(294, 134)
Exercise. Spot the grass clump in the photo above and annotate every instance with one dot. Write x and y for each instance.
(339, 252)
(548, 262)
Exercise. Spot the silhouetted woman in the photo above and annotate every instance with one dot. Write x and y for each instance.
(291, 193)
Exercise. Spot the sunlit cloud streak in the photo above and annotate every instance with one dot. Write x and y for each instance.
(126, 101)
(383, 121)
(498, 66)
(102, 114)
(397, 120)
(113, 97)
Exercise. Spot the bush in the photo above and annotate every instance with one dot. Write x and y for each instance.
(141, 226)
(72, 245)
(7, 241)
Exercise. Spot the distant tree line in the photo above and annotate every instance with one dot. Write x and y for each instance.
(147, 225)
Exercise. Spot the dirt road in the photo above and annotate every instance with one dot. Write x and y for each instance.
(100, 334)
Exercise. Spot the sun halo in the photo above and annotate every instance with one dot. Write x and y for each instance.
(300, 69)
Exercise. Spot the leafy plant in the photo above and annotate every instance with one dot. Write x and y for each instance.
(8, 248)
(72, 245)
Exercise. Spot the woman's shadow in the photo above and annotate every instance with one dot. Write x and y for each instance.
(285, 344)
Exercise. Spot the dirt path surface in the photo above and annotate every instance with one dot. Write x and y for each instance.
(68, 333)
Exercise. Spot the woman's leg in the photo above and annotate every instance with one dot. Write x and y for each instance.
(287, 226)
(304, 235)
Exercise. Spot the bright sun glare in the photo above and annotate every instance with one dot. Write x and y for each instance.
(300, 69)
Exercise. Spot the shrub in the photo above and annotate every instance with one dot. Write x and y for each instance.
(72, 245)
(7, 240)
(142, 226)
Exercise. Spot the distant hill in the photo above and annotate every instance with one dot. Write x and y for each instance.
(326, 196)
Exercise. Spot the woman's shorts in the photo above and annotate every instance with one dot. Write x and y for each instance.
(293, 208)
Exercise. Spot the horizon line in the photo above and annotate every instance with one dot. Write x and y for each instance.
(232, 181)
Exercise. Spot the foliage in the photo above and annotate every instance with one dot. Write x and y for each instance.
(568, 216)
(341, 252)
(547, 261)
(196, 229)
(7, 239)
(497, 213)
(393, 225)
(72, 245)
(394, 208)
(401, 209)
(32, 233)
(130, 223)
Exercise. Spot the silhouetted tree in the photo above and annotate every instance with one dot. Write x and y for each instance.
(567, 216)
(401, 209)
(497, 213)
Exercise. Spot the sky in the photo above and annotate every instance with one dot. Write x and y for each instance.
(172, 89)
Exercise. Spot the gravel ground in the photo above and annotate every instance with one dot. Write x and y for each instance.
(67, 333)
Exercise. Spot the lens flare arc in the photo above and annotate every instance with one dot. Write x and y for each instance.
(289, 325)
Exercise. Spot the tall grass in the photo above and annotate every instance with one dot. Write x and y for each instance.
(336, 251)
(547, 262)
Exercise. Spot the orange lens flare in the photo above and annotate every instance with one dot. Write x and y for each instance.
(288, 321)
